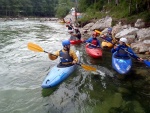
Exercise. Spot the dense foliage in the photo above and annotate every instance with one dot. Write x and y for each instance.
(60, 8)
(28, 8)
(115, 8)
(63, 8)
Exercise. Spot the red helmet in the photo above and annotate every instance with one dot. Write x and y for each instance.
(94, 33)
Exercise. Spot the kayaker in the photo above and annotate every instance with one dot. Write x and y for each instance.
(108, 36)
(70, 27)
(67, 56)
(72, 37)
(93, 41)
(77, 33)
(124, 51)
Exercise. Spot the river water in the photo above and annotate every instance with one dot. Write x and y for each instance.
(22, 72)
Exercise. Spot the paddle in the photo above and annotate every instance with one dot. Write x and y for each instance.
(145, 61)
(37, 48)
(97, 31)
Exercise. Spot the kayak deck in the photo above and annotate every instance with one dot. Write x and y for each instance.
(93, 52)
(76, 41)
(121, 65)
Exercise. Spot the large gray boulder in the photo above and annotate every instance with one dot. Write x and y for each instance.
(102, 23)
(139, 23)
(143, 34)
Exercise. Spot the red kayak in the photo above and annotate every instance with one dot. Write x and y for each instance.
(93, 52)
(76, 41)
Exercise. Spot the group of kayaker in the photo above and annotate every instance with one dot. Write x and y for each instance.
(68, 57)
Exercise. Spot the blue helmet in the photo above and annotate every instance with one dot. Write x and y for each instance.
(109, 29)
(65, 42)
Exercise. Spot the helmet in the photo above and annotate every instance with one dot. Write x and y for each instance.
(65, 42)
(94, 33)
(123, 40)
(110, 29)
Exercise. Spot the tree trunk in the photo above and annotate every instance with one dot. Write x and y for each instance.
(130, 6)
(117, 2)
(148, 5)
(136, 5)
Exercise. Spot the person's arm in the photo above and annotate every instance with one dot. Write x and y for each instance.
(99, 44)
(53, 56)
(89, 40)
(133, 54)
(115, 48)
(74, 56)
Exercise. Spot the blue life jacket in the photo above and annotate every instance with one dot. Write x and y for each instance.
(109, 37)
(122, 53)
(65, 58)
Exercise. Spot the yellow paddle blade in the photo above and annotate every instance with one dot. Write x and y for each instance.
(98, 32)
(35, 47)
(88, 68)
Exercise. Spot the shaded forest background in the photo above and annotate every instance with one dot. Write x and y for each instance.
(91, 8)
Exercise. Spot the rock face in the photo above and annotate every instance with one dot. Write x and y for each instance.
(139, 23)
(88, 26)
(69, 18)
(143, 34)
(102, 23)
(127, 31)
(140, 47)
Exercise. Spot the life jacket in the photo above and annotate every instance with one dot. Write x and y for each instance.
(108, 37)
(94, 42)
(121, 52)
(65, 58)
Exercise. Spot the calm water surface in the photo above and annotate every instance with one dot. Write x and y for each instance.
(22, 72)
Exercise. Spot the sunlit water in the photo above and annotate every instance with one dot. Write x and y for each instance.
(22, 72)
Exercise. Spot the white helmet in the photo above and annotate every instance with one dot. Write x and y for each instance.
(123, 40)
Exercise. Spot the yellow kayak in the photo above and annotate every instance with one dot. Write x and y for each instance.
(107, 44)
(62, 22)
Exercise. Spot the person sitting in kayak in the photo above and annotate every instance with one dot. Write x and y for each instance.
(93, 41)
(70, 27)
(124, 51)
(67, 56)
(72, 37)
(77, 33)
(108, 36)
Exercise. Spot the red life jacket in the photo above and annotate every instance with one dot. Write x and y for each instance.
(94, 42)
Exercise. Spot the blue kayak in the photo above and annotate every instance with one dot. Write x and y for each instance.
(58, 74)
(121, 65)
